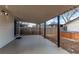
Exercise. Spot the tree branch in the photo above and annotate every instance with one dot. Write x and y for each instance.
(72, 14)
(64, 18)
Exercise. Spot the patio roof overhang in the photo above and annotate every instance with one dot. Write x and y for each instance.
(37, 13)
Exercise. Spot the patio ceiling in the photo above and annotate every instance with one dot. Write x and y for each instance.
(37, 13)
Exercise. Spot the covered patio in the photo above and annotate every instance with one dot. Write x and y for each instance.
(32, 29)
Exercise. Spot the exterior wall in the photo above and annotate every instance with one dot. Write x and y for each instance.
(73, 26)
(6, 29)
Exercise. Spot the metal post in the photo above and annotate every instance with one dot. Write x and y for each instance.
(19, 28)
(58, 31)
(15, 21)
(39, 29)
(44, 29)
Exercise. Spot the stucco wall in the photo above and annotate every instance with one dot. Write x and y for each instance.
(73, 26)
(6, 30)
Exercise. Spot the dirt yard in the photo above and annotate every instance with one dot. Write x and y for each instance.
(69, 45)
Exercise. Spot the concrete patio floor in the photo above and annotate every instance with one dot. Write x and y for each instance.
(32, 44)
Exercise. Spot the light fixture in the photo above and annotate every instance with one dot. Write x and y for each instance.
(3, 12)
